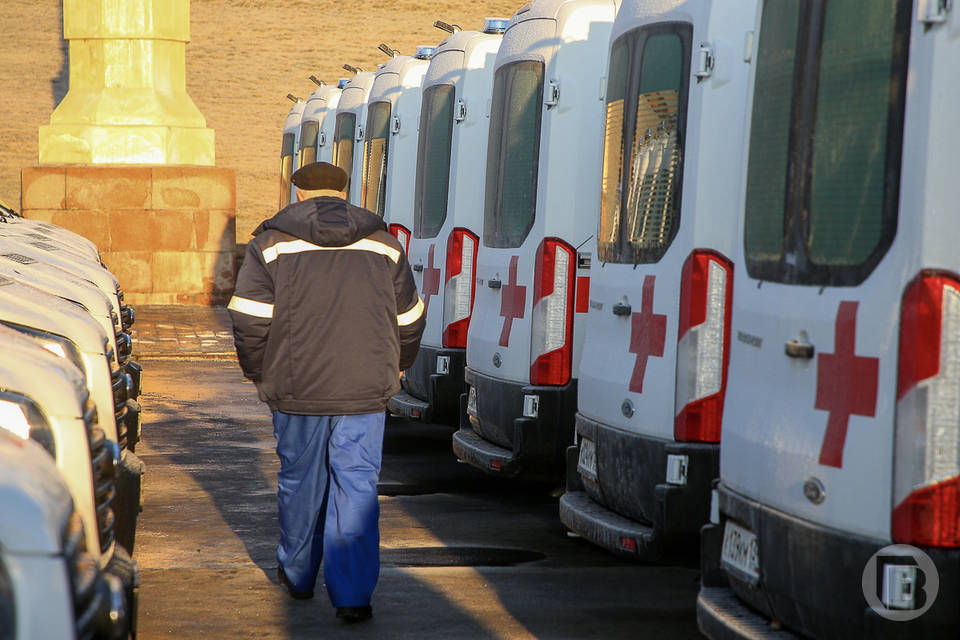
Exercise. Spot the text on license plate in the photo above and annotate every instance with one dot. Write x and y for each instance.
(740, 550)
(587, 464)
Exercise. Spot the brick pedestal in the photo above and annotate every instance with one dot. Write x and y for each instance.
(167, 233)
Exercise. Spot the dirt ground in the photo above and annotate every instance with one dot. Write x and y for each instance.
(244, 58)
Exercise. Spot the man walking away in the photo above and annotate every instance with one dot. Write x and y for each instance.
(325, 317)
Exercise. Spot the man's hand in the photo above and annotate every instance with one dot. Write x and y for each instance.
(401, 375)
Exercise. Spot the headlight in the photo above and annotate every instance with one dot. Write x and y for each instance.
(22, 417)
(53, 343)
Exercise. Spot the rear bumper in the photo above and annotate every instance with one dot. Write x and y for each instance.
(502, 441)
(629, 508)
(430, 396)
(810, 582)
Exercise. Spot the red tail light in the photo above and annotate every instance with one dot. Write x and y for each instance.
(926, 467)
(402, 234)
(703, 346)
(459, 288)
(551, 344)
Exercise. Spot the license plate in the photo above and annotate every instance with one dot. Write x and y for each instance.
(741, 551)
(587, 464)
(472, 401)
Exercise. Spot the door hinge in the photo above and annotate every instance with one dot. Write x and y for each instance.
(937, 11)
(461, 113)
(395, 128)
(552, 94)
(359, 133)
(705, 62)
(322, 139)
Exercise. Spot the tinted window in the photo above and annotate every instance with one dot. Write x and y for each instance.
(343, 144)
(375, 157)
(513, 154)
(646, 113)
(286, 168)
(433, 160)
(822, 209)
(308, 142)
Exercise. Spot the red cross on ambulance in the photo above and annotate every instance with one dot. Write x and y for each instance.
(648, 335)
(846, 385)
(431, 280)
(513, 301)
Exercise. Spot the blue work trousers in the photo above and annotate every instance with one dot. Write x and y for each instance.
(327, 499)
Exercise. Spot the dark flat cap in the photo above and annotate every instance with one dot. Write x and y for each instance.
(320, 175)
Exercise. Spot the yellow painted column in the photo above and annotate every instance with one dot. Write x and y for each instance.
(127, 102)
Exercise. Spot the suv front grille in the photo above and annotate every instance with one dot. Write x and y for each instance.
(101, 461)
(84, 573)
(119, 385)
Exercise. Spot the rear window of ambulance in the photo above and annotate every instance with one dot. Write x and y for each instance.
(513, 154)
(343, 144)
(826, 135)
(375, 150)
(433, 160)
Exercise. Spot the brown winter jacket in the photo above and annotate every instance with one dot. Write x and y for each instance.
(325, 312)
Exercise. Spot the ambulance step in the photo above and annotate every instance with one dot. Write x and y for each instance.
(723, 616)
(607, 529)
(484, 455)
(407, 406)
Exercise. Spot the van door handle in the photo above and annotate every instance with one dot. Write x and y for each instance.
(621, 309)
(494, 283)
(797, 349)
(417, 267)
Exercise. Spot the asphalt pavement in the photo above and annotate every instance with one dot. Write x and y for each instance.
(464, 554)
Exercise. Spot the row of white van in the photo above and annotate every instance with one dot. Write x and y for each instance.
(643, 229)
(70, 483)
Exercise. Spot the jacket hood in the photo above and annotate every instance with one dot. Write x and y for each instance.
(326, 221)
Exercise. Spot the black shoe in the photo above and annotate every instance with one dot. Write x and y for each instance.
(355, 614)
(296, 595)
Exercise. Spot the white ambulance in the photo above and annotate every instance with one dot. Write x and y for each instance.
(43, 398)
(390, 141)
(50, 585)
(540, 211)
(316, 128)
(348, 130)
(841, 428)
(447, 217)
(288, 151)
(657, 346)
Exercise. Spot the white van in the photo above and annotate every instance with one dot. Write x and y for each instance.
(348, 130)
(654, 366)
(316, 125)
(447, 217)
(9, 216)
(50, 586)
(288, 151)
(390, 140)
(841, 431)
(43, 398)
(543, 159)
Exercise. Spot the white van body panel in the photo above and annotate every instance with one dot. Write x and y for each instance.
(321, 102)
(634, 359)
(36, 507)
(30, 307)
(291, 127)
(399, 82)
(568, 167)
(779, 410)
(353, 100)
(56, 387)
(464, 60)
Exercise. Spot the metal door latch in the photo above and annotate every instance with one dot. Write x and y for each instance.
(417, 267)
(622, 309)
(494, 283)
(552, 94)
(798, 349)
(461, 113)
(705, 62)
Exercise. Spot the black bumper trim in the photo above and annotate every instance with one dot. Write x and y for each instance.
(440, 392)
(534, 447)
(605, 528)
(811, 577)
(722, 616)
(406, 406)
